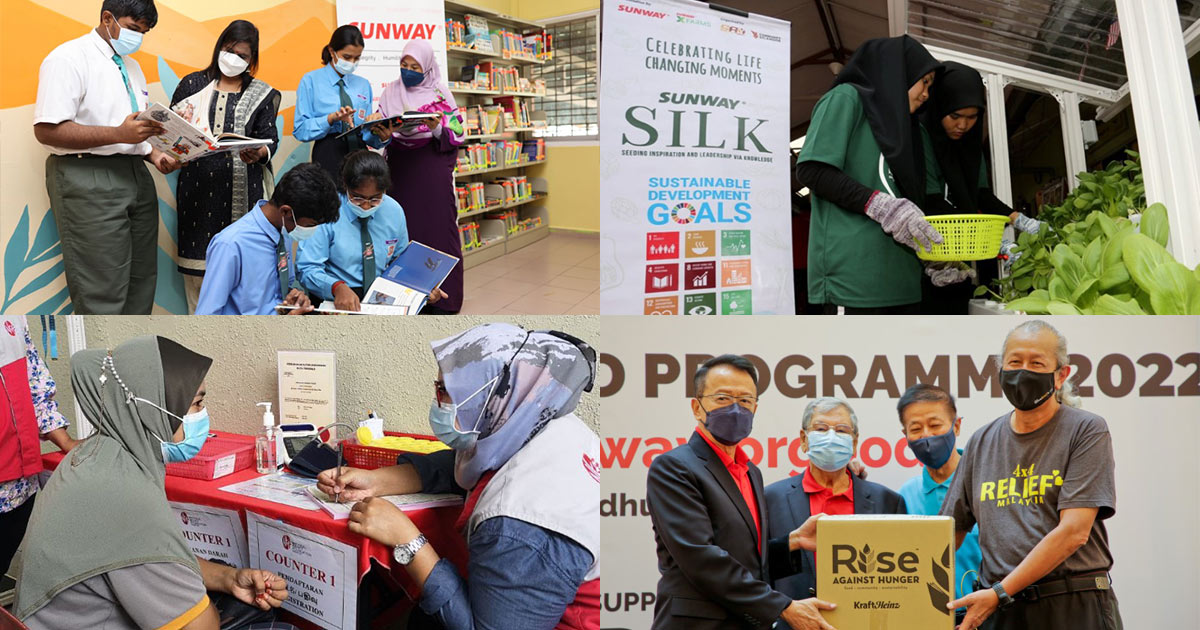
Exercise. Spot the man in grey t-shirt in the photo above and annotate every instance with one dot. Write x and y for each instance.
(1039, 482)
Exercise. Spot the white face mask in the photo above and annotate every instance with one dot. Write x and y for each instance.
(344, 67)
(231, 65)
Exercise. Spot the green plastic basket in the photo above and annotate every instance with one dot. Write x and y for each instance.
(965, 237)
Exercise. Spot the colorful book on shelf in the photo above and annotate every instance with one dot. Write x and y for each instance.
(478, 37)
(456, 33)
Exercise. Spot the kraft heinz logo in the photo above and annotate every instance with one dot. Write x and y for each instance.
(658, 15)
(381, 30)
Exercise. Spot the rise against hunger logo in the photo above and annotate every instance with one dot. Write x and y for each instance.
(1024, 487)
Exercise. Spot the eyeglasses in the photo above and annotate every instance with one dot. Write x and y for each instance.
(724, 400)
(840, 429)
(368, 202)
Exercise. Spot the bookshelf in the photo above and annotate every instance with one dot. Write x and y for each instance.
(501, 208)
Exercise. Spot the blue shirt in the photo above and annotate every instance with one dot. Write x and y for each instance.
(335, 252)
(924, 496)
(318, 97)
(521, 575)
(241, 277)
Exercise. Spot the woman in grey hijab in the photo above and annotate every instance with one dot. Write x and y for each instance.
(104, 550)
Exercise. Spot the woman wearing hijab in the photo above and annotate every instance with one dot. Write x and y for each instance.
(956, 179)
(422, 160)
(530, 469)
(104, 550)
(862, 160)
(216, 190)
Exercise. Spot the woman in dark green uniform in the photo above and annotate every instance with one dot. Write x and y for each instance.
(864, 163)
(956, 179)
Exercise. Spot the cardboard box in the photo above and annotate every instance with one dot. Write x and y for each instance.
(886, 572)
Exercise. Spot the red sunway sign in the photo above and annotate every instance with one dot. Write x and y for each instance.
(383, 30)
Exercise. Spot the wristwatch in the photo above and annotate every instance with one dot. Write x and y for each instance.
(1005, 599)
(405, 552)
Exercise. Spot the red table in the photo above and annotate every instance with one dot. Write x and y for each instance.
(436, 523)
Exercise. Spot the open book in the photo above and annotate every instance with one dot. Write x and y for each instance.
(418, 501)
(406, 284)
(407, 122)
(187, 142)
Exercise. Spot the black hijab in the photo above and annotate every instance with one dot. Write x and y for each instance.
(882, 70)
(959, 86)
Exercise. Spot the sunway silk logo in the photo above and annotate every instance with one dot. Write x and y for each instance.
(12, 330)
(287, 542)
(658, 15)
(183, 517)
(381, 30)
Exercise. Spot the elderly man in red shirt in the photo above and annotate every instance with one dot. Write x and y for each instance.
(830, 437)
(707, 505)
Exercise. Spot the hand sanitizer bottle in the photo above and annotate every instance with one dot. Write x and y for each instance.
(264, 444)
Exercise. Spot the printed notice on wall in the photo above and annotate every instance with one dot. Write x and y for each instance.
(320, 572)
(307, 387)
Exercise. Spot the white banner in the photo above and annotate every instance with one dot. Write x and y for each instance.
(213, 534)
(1141, 374)
(321, 573)
(387, 26)
(695, 208)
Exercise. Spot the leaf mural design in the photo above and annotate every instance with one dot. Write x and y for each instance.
(21, 254)
(946, 557)
(299, 155)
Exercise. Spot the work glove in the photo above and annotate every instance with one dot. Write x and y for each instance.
(903, 220)
(1008, 255)
(944, 274)
(1025, 224)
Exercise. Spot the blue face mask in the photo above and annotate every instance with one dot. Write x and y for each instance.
(829, 450)
(933, 451)
(442, 416)
(195, 432)
(411, 78)
(126, 42)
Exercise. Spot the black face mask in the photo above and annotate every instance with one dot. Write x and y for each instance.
(1027, 390)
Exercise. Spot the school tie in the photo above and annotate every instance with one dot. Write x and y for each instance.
(353, 140)
(368, 256)
(128, 86)
(281, 265)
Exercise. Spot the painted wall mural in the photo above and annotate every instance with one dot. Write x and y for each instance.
(291, 35)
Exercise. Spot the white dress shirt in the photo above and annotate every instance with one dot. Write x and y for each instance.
(80, 82)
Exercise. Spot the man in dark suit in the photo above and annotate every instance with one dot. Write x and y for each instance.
(830, 438)
(706, 504)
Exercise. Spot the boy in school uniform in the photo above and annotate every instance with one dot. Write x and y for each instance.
(90, 91)
(251, 269)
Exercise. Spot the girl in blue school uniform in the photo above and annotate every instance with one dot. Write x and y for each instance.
(344, 257)
(332, 99)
